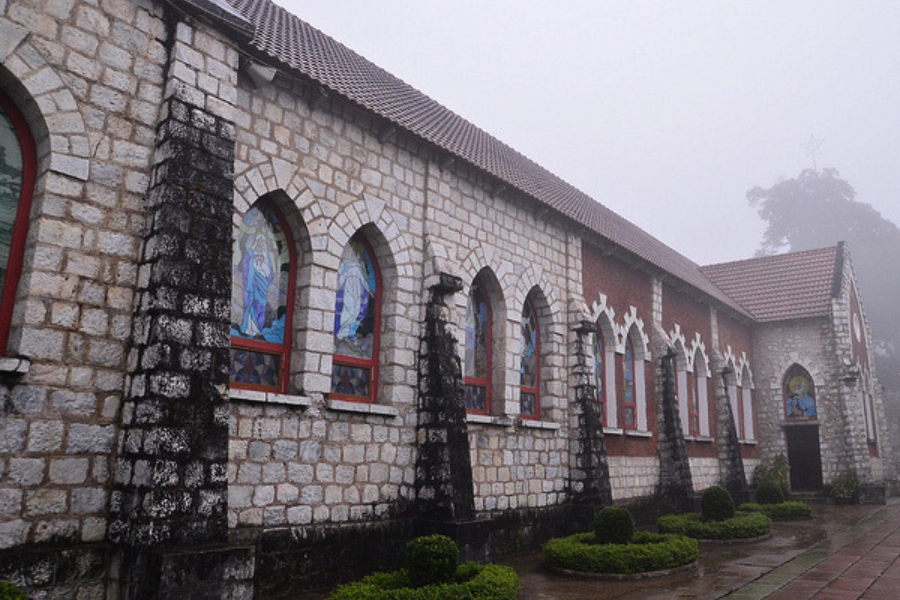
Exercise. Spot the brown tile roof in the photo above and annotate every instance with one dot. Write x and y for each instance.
(784, 286)
(299, 46)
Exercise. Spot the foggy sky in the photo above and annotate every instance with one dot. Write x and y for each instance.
(666, 112)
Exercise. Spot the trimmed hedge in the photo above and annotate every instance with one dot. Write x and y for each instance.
(614, 525)
(783, 510)
(741, 526)
(431, 559)
(716, 504)
(471, 582)
(769, 492)
(648, 552)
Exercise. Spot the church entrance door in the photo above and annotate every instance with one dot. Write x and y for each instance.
(804, 457)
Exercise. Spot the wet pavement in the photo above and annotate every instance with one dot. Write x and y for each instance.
(842, 553)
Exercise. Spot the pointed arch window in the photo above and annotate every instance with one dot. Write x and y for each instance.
(477, 369)
(600, 374)
(630, 399)
(262, 300)
(748, 417)
(799, 395)
(357, 316)
(700, 397)
(17, 175)
(530, 369)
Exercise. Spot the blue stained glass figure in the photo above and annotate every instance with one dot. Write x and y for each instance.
(476, 364)
(528, 369)
(799, 393)
(354, 319)
(260, 276)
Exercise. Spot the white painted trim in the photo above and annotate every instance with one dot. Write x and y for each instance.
(702, 383)
(269, 397)
(682, 393)
(640, 393)
(362, 407)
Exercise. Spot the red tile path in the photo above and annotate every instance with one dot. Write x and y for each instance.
(866, 569)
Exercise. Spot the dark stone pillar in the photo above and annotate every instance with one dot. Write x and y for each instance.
(590, 476)
(730, 450)
(170, 494)
(444, 489)
(676, 487)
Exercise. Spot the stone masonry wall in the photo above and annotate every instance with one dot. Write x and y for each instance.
(88, 76)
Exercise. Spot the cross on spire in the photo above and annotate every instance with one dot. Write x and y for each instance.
(813, 147)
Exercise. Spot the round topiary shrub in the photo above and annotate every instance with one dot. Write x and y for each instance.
(716, 504)
(769, 492)
(431, 559)
(614, 525)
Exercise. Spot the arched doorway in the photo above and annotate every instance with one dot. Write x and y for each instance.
(802, 429)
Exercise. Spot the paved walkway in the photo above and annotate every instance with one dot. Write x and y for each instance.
(861, 562)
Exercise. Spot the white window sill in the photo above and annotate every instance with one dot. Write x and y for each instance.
(613, 431)
(534, 424)
(19, 366)
(699, 438)
(748, 442)
(489, 420)
(361, 407)
(269, 398)
(636, 433)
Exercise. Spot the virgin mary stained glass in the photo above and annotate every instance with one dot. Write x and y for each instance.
(529, 366)
(355, 323)
(261, 267)
(799, 394)
(476, 369)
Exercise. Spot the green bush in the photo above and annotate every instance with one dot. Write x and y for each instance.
(614, 525)
(769, 492)
(471, 582)
(741, 526)
(716, 504)
(845, 485)
(431, 559)
(782, 510)
(777, 473)
(10, 591)
(648, 552)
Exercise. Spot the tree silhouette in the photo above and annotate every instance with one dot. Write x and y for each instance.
(817, 209)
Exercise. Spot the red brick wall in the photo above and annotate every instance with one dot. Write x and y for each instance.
(623, 285)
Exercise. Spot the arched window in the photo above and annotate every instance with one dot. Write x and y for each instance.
(17, 173)
(799, 394)
(357, 316)
(747, 414)
(262, 300)
(630, 400)
(530, 370)
(477, 369)
(600, 373)
(700, 398)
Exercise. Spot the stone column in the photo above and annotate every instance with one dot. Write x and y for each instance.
(170, 495)
(676, 487)
(590, 475)
(731, 463)
(444, 488)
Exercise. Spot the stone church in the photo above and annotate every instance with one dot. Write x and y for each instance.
(268, 312)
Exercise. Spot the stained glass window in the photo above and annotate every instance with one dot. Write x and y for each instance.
(356, 323)
(477, 370)
(600, 372)
(630, 395)
(531, 363)
(261, 300)
(694, 405)
(17, 172)
(799, 394)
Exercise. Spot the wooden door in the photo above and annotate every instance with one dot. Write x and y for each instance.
(804, 457)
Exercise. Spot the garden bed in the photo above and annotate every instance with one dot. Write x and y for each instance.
(743, 526)
(782, 510)
(648, 555)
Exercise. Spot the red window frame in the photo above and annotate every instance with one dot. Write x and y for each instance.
(477, 381)
(22, 220)
(368, 363)
(535, 390)
(629, 350)
(600, 344)
(281, 350)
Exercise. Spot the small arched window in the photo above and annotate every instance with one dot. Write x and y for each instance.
(799, 394)
(477, 368)
(17, 174)
(630, 400)
(357, 318)
(530, 370)
(600, 373)
(262, 300)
